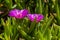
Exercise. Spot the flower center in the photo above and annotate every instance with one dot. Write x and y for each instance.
(20, 14)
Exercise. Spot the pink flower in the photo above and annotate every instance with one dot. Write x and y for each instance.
(18, 13)
(36, 17)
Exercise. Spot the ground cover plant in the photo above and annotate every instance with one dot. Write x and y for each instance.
(29, 19)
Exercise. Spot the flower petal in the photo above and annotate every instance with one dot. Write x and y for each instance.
(13, 12)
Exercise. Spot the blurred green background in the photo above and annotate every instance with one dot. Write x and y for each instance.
(49, 27)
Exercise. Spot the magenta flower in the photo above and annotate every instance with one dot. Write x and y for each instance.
(18, 13)
(36, 17)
